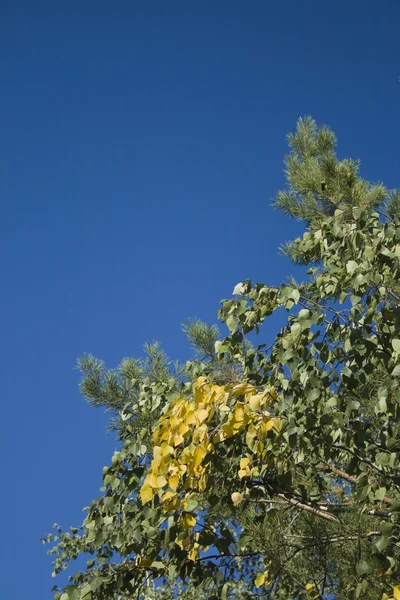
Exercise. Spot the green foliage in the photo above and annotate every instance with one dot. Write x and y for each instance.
(319, 183)
(290, 493)
(202, 338)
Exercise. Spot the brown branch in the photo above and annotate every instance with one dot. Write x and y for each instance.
(337, 472)
(227, 555)
(311, 509)
(297, 504)
(340, 538)
(350, 478)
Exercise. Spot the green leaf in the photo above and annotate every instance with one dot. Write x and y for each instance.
(239, 289)
(191, 505)
(396, 344)
(380, 493)
(231, 323)
(363, 568)
(224, 592)
(86, 592)
(396, 371)
(220, 347)
(382, 405)
(73, 592)
(351, 266)
(382, 543)
(295, 295)
(395, 507)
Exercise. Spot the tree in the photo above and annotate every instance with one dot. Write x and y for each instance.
(265, 472)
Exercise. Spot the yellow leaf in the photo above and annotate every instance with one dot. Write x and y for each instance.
(273, 393)
(255, 401)
(183, 543)
(200, 435)
(165, 435)
(181, 409)
(183, 428)
(200, 381)
(250, 441)
(173, 482)
(173, 467)
(154, 467)
(251, 431)
(182, 469)
(161, 481)
(151, 480)
(218, 437)
(194, 553)
(198, 455)
(157, 454)
(143, 561)
(170, 501)
(244, 462)
(237, 426)
(178, 439)
(236, 497)
(190, 418)
(166, 449)
(199, 385)
(167, 496)
(186, 456)
(202, 391)
(259, 448)
(174, 422)
(146, 494)
(312, 591)
(202, 483)
(396, 593)
(239, 414)
(264, 427)
(244, 467)
(259, 580)
(270, 423)
(188, 521)
(250, 435)
(219, 394)
(201, 415)
(224, 433)
(277, 424)
(243, 388)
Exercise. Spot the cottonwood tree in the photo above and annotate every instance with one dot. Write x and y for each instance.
(264, 472)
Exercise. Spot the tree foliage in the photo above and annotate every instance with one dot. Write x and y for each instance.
(264, 472)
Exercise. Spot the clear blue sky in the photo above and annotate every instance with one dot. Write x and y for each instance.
(141, 144)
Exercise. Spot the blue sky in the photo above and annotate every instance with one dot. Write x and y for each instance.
(141, 145)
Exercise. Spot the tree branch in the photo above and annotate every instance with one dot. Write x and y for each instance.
(311, 509)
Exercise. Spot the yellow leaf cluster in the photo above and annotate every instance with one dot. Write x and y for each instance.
(174, 461)
(184, 439)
